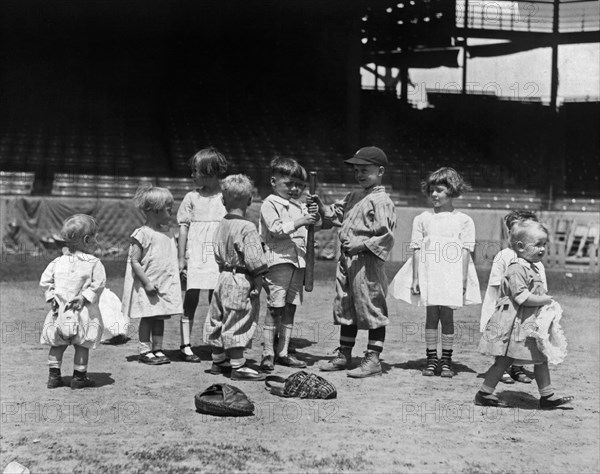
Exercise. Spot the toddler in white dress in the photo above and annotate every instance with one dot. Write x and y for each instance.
(73, 284)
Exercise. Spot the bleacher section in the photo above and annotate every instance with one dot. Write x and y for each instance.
(461, 132)
(16, 182)
(500, 199)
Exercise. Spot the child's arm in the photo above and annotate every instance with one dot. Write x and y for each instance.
(91, 293)
(135, 255)
(184, 217)
(535, 300)
(254, 259)
(416, 238)
(518, 283)
(182, 245)
(379, 232)
(277, 226)
(466, 255)
(467, 235)
(47, 282)
(331, 216)
(414, 288)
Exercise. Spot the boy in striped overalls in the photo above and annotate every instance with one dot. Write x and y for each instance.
(367, 219)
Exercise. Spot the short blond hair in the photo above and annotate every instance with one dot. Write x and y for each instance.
(77, 227)
(152, 198)
(521, 229)
(237, 187)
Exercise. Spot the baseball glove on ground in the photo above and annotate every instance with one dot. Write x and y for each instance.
(222, 399)
(302, 385)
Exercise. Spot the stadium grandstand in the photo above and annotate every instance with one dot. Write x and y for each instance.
(96, 97)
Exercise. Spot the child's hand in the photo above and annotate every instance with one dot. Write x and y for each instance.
(414, 288)
(255, 286)
(316, 200)
(308, 219)
(76, 303)
(549, 299)
(353, 247)
(151, 288)
(313, 209)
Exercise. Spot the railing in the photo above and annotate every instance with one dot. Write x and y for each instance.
(533, 16)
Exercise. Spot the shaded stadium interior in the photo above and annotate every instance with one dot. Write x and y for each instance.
(134, 88)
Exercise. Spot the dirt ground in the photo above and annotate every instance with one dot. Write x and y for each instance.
(142, 419)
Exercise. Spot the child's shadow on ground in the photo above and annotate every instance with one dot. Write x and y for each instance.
(101, 379)
(419, 364)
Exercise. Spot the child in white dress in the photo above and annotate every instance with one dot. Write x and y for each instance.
(198, 216)
(510, 334)
(441, 274)
(152, 290)
(501, 262)
(73, 283)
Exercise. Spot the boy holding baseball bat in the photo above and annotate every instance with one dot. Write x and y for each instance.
(283, 230)
(367, 219)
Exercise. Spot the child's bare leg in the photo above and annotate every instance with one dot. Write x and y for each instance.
(285, 328)
(273, 319)
(447, 320)
(144, 331)
(55, 356)
(548, 399)
(80, 365)
(158, 331)
(190, 303)
(485, 396)
(82, 356)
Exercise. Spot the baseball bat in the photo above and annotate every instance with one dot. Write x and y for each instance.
(309, 272)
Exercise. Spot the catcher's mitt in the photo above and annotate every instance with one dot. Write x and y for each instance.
(303, 385)
(222, 399)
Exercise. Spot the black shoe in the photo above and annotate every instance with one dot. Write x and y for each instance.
(81, 382)
(162, 359)
(547, 404)
(267, 363)
(186, 357)
(55, 382)
(220, 368)
(488, 400)
(145, 359)
(291, 361)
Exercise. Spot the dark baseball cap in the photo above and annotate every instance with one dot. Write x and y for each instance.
(369, 155)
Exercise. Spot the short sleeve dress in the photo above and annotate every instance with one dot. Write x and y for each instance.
(201, 214)
(501, 262)
(159, 261)
(441, 237)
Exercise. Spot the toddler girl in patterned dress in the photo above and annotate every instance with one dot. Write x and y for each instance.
(152, 290)
(198, 216)
(441, 274)
(510, 334)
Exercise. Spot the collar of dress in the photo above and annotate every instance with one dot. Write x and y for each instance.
(527, 264)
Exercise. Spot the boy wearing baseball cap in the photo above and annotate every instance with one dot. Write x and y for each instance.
(367, 219)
